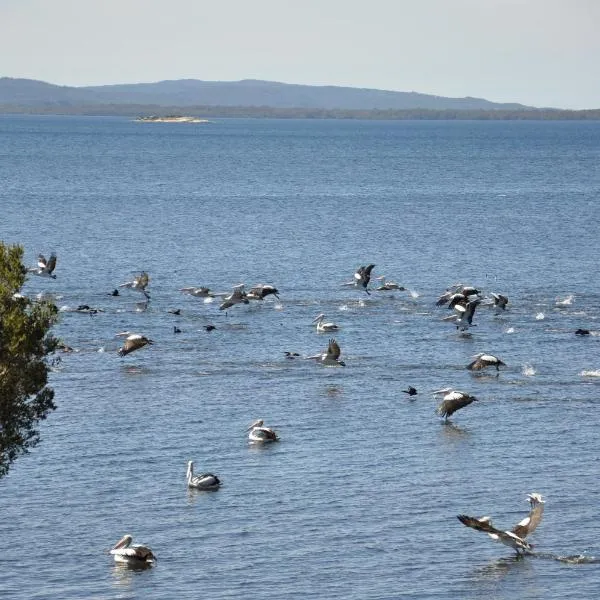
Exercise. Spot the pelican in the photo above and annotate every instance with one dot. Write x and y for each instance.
(465, 319)
(485, 360)
(457, 293)
(237, 296)
(204, 481)
(260, 292)
(453, 401)
(324, 326)
(385, 286)
(134, 555)
(133, 341)
(45, 267)
(363, 276)
(260, 434)
(139, 283)
(331, 358)
(500, 301)
(198, 292)
(514, 538)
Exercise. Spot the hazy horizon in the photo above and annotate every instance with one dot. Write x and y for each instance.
(539, 53)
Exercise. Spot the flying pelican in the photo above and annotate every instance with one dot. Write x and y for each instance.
(204, 481)
(324, 326)
(457, 293)
(139, 283)
(260, 434)
(331, 358)
(133, 341)
(485, 360)
(133, 555)
(363, 276)
(45, 267)
(198, 292)
(453, 401)
(500, 301)
(514, 538)
(388, 285)
(260, 292)
(465, 319)
(237, 296)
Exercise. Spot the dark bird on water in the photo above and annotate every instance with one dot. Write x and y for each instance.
(209, 327)
(291, 355)
(483, 361)
(453, 401)
(176, 329)
(515, 537)
(582, 332)
(411, 391)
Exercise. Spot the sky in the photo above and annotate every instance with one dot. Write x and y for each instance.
(543, 53)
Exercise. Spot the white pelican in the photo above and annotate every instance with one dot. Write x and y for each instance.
(324, 326)
(204, 481)
(514, 538)
(139, 283)
(45, 267)
(198, 292)
(485, 360)
(260, 434)
(331, 358)
(237, 296)
(453, 401)
(260, 292)
(133, 555)
(133, 341)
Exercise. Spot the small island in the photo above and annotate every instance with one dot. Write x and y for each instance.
(171, 119)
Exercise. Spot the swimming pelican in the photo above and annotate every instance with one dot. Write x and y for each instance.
(133, 555)
(133, 341)
(331, 357)
(324, 326)
(45, 267)
(139, 283)
(198, 292)
(204, 481)
(485, 360)
(260, 434)
(237, 296)
(385, 286)
(260, 292)
(453, 401)
(514, 538)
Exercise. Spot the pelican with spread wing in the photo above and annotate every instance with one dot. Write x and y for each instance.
(515, 537)
(331, 358)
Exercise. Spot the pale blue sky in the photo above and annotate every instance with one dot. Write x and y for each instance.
(537, 52)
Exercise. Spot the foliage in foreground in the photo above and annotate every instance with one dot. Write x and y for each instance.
(25, 343)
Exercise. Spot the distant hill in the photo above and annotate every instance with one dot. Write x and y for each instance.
(246, 93)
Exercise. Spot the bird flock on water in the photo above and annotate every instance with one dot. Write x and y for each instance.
(463, 300)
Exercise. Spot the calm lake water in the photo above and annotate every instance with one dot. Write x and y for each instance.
(359, 498)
